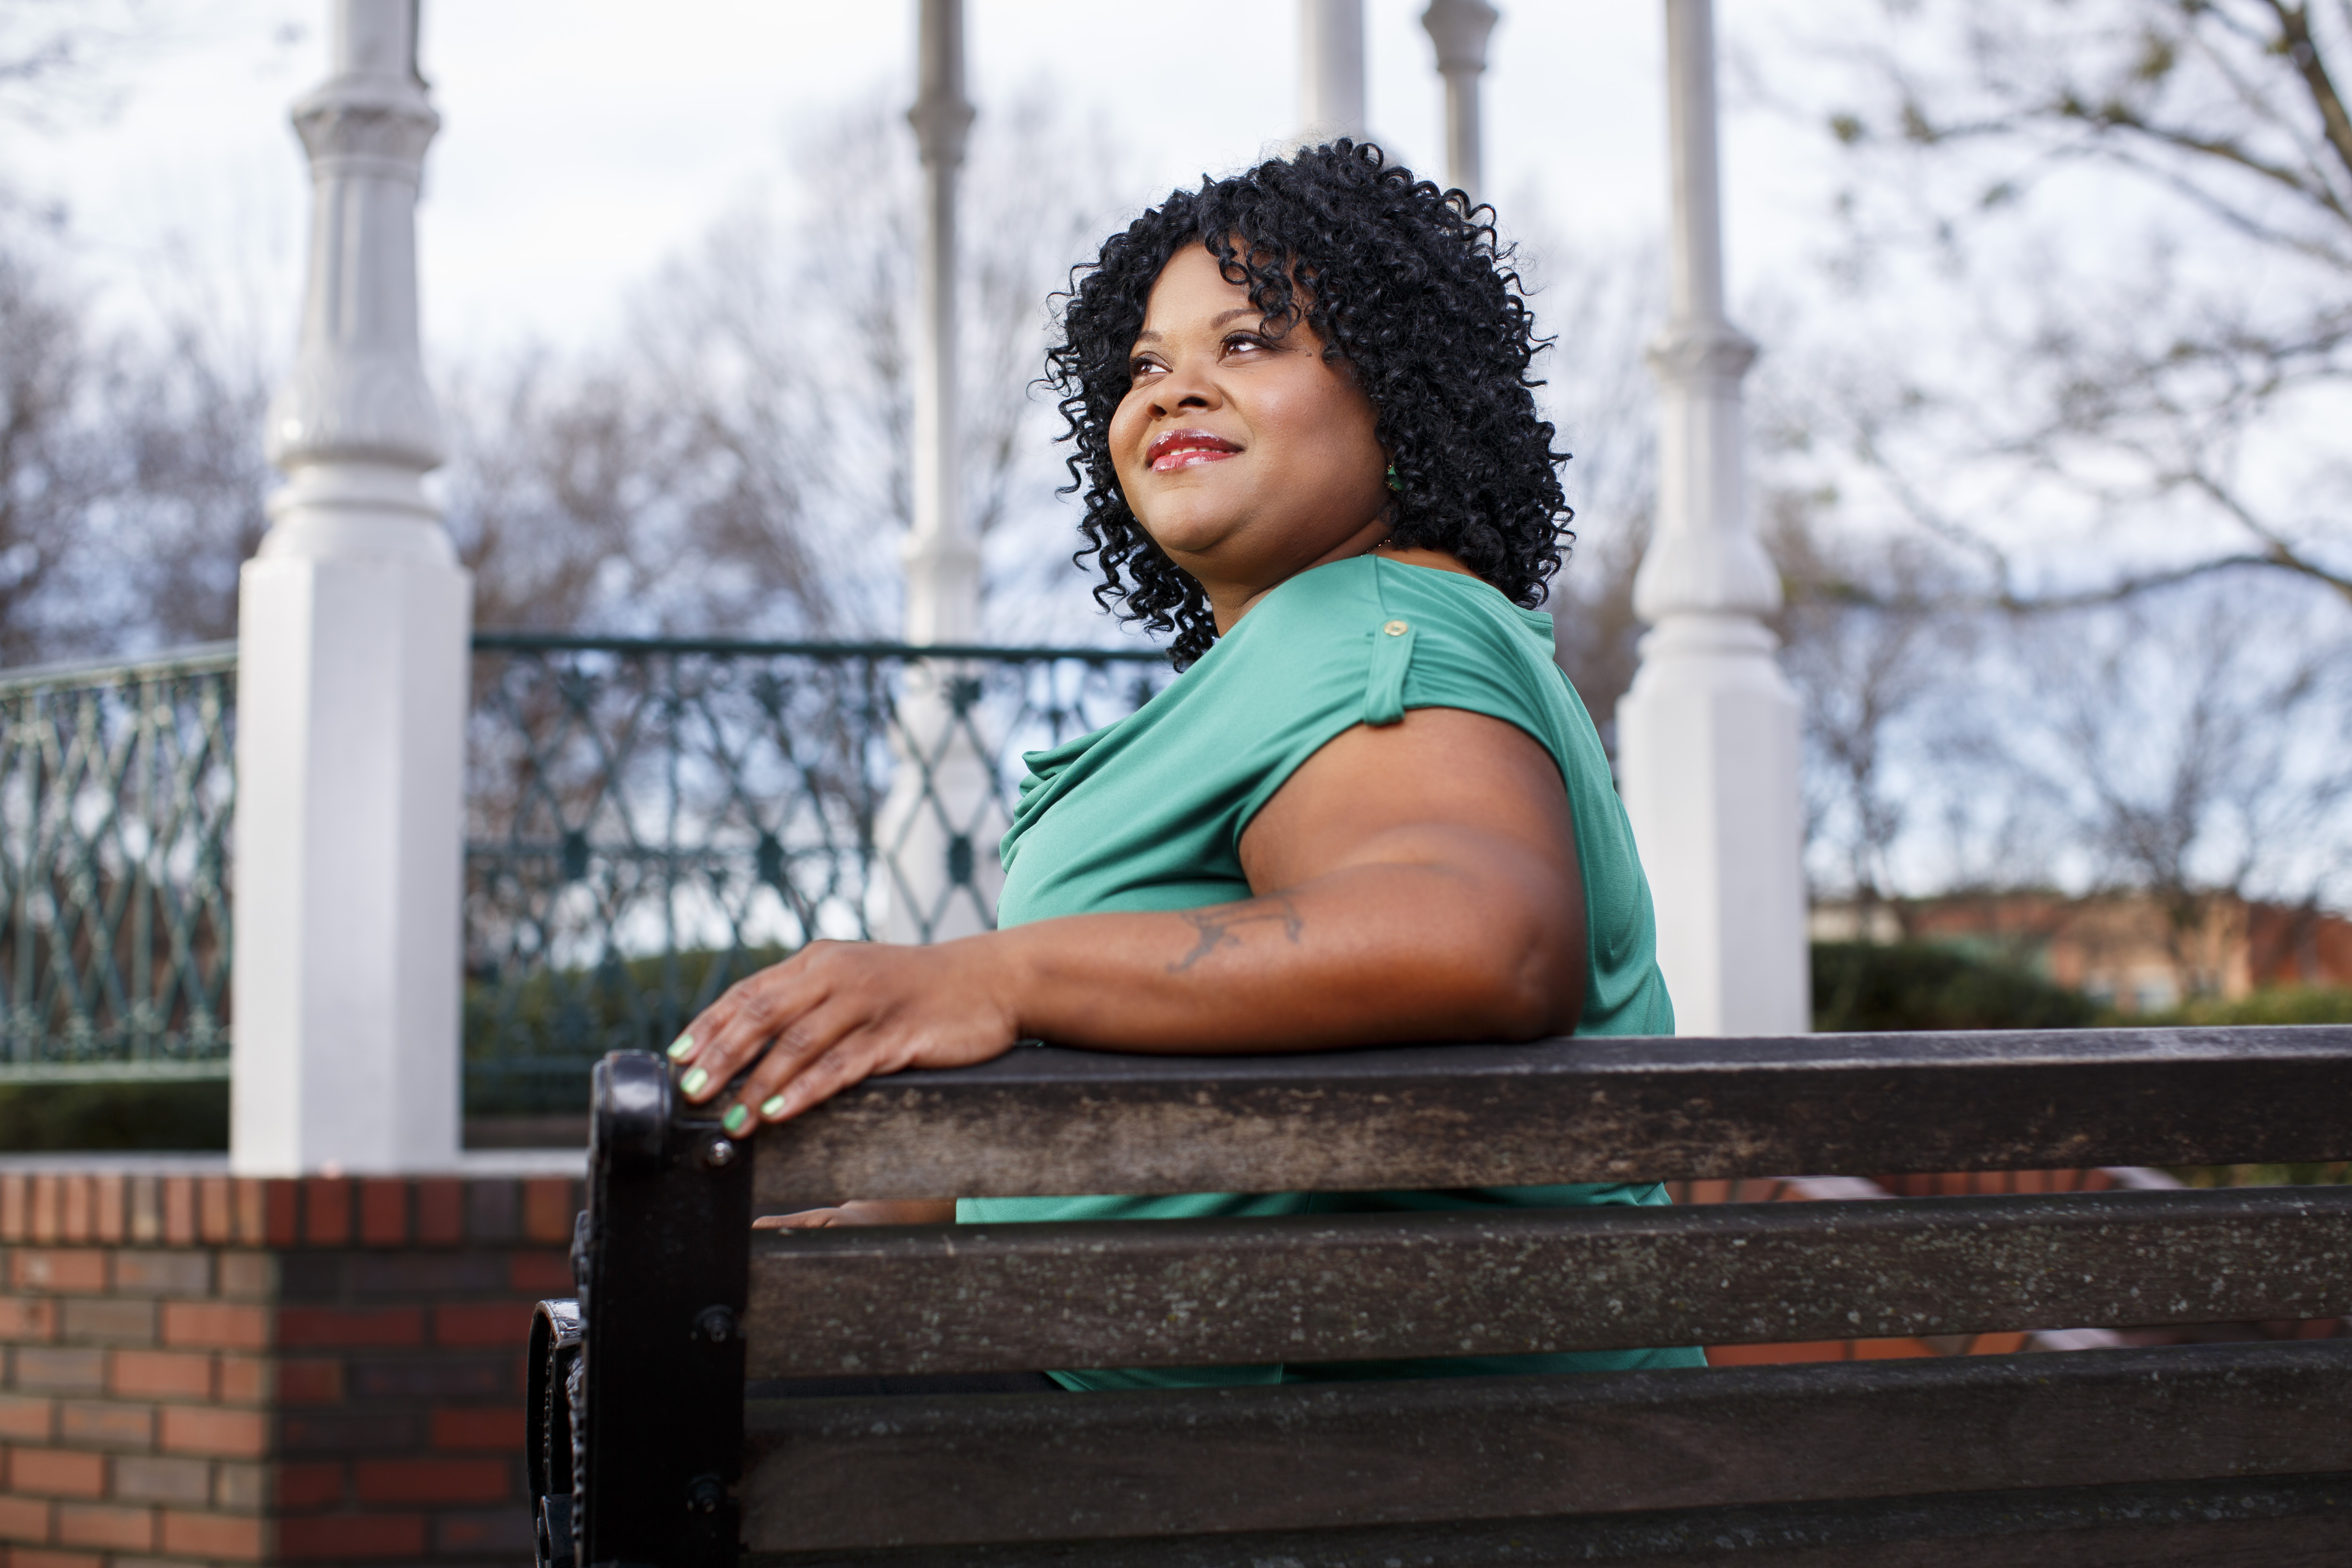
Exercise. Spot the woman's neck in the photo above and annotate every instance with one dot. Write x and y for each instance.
(1229, 615)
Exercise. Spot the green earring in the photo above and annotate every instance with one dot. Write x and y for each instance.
(1394, 483)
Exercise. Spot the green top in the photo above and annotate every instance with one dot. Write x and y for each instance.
(1147, 814)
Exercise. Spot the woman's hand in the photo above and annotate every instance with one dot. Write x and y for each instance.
(836, 1012)
(864, 1211)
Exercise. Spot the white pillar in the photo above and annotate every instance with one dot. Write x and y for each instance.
(937, 832)
(1331, 70)
(1459, 28)
(353, 630)
(1707, 735)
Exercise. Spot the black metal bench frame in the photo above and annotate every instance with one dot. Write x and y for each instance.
(644, 1449)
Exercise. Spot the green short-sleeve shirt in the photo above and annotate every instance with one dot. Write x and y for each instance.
(1147, 814)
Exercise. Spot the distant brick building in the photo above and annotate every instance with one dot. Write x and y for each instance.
(2127, 950)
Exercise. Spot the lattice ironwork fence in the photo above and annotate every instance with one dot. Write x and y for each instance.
(116, 786)
(649, 821)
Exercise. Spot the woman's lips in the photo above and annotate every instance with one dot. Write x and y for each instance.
(1188, 449)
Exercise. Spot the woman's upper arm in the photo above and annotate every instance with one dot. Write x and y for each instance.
(1449, 790)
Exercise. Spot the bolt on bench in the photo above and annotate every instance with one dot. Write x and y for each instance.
(644, 1449)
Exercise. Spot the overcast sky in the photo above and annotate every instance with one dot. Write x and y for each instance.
(585, 141)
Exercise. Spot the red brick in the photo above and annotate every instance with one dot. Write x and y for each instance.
(216, 1325)
(106, 1424)
(216, 1216)
(499, 1430)
(73, 1218)
(27, 1320)
(25, 1418)
(84, 1272)
(152, 1478)
(145, 1219)
(34, 1557)
(498, 1531)
(435, 1480)
(108, 1224)
(13, 1189)
(309, 1486)
(384, 1212)
(1768, 1355)
(23, 1519)
(327, 1205)
(108, 1321)
(538, 1274)
(160, 1375)
(101, 1524)
(242, 1380)
(225, 1433)
(482, 1323)
(212, 1535)
(309, 1382)
(1890, 1350)
(352, 1535)
(547, 1208)
(252, 1214)
(45, 1208)
(56, 1472)
(281, 1203)
(180, 1210)
(351, 1326)
(151, 1271)
(440, 1211)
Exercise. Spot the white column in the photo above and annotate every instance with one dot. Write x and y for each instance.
(354, 621)
(938, 830)
(1331, 70)
(1707, 735)
(1459, 28)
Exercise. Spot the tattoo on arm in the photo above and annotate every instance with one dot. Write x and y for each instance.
(1215, 927)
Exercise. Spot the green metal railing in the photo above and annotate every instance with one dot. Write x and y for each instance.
(116, 786)
(651, 820)
(647, 821)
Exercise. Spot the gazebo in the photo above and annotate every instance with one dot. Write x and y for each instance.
(353, 643)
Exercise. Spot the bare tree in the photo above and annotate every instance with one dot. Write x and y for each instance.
(2201, 743)
(2136, 217)
(59, 467)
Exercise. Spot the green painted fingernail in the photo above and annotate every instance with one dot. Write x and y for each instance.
(734, 1119)
(772, 1107)
(694, 1080)
(681, 1047)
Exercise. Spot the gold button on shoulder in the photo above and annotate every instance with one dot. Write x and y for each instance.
(1396, 628)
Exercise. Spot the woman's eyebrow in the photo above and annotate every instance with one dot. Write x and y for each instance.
(1153, 335)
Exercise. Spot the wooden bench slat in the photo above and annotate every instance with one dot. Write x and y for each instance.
(1360, 1287)
(2300, 1522)
(1044, 1121)
(845, 1473)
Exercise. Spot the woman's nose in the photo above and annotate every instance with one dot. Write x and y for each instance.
(1184, 386)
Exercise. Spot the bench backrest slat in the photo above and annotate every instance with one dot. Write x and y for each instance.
(1042, 1122)
(871, 1472)
(1197, 1292)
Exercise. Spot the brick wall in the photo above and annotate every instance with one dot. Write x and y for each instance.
(202, 1369)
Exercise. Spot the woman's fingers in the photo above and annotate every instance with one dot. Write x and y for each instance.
(734, 1030)
(769, 1093)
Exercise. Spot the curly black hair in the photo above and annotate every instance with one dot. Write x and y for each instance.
(1405, 283)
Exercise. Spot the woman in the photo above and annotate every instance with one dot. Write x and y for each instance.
(1371, 809)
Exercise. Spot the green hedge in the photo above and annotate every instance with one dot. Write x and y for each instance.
(1863, 986)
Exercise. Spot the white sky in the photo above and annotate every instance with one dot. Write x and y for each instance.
(585, 141)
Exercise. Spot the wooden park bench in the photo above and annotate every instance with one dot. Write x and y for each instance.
(644, 1443)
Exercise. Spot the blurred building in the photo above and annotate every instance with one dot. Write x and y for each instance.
(2134, 951)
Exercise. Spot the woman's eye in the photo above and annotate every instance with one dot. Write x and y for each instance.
(1241, 341)
(1139, 368)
